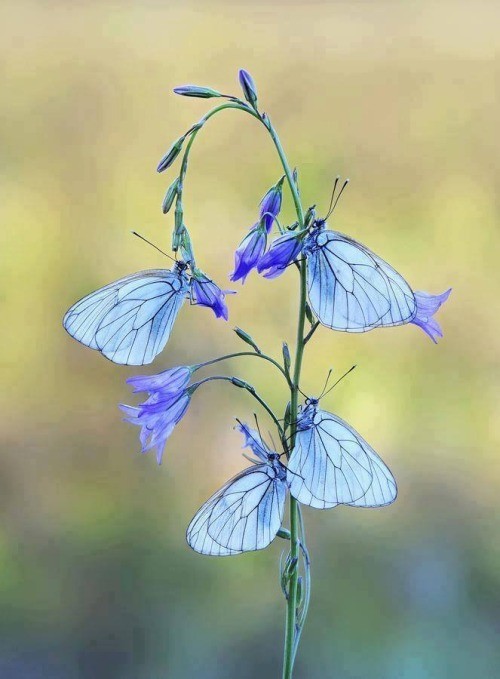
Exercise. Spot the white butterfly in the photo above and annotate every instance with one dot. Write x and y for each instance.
(129, 321)
(332, 464)
(350, 288)
(246, 513)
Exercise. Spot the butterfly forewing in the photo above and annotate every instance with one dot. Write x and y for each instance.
(244, 515)
(129, 321)
(352, 289)
(332, 464)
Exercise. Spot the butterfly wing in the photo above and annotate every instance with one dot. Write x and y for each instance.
(332, 464)
(350, 288)
(243, 516)
(129, 321)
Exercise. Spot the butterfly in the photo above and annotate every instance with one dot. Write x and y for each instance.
(351, 288)
(129, 321)
(247, 512)
(332, 464)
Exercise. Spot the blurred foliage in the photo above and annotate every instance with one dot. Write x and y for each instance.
(95, 577)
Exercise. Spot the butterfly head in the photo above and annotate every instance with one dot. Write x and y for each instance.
(307, 412)
(180, 266)
(273, 459)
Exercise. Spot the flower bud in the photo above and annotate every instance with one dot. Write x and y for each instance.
(170, 155)
(239, 383)
(247, 339)
(270, 205)
(287, 361)
(248, 87)
(170, 196)
(309, 314)
(196, 91)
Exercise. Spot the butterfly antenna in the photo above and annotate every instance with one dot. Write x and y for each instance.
(337, 179)
(326, 384)
(272, 441)
(257, 425)
(152, 245)
(332, 207)
(300, 390)
(339, 380)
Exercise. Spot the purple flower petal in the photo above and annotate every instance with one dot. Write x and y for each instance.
(249, 252)
(168, 381)
(270, 205)
(427, 305)
(157, 420)
(283, 251)
(206, 293)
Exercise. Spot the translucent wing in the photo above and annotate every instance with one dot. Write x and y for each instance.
(129, 321)
(352, 289)
(244, 515)
(332, 464)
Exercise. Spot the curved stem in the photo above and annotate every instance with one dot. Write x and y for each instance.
(247, 353)
(197, 127)
(251, 390)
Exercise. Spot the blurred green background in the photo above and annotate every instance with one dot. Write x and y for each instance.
(96, 580)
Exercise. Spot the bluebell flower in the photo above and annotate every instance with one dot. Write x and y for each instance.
(158, 416)
(270, 205)
(248, 87)
(427, 305)
(169, 381)
(249, 252)
(206, 293)
(283, 251)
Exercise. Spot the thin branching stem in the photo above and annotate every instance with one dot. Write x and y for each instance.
(265, 357)
(248, 387)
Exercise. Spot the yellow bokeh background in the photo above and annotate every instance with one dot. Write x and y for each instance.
(96, 579)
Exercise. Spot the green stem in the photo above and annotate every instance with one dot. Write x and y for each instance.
(291, 627)
(248, 387)
(247, 353)
(292, 631)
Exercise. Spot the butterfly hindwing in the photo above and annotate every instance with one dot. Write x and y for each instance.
(350, 288)
(332, 464)
(129, 321)
(244, 515)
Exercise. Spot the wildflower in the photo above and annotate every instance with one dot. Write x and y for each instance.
(283, 251)
(249, 252)
(248, 87)
(427, 305)
(157, 417)
(170, 196)
(207, 293)
(270, 205)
